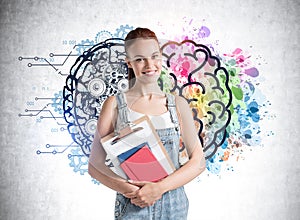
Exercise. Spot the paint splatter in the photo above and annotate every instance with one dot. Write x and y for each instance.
(248, 107)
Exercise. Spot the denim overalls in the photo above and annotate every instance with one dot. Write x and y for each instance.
(173, 205)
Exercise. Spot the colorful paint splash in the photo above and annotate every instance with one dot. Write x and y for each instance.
(248, 105)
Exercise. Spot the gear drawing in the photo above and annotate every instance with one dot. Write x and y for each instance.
(78, 161)
(83, 46)
(57, 102)
(122, 31)
(102, 36)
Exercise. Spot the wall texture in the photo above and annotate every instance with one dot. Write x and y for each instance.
(263, 186)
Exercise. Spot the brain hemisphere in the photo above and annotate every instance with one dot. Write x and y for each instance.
(204, 83)
(97, 74)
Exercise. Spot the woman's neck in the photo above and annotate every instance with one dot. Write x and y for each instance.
(142, 89)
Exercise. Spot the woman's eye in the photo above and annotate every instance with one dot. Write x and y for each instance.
(156, 57)
(138, 60)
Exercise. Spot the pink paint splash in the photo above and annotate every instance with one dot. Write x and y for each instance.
(252, 72)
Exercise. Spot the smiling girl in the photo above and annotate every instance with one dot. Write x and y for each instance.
(170, 115)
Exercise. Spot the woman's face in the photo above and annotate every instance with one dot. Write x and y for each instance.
(144, 57)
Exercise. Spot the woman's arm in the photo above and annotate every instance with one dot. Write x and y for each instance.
(117, 184)
(150, 192)
(96, 167)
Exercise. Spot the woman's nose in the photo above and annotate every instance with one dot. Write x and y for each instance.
(149, 61)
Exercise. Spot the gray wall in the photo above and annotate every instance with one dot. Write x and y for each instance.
(263, 186)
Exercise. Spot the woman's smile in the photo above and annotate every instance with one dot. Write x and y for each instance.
(150, 73)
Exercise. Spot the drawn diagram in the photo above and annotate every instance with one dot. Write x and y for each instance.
(218, 87)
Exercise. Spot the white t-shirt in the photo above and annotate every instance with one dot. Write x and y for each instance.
(159, 121)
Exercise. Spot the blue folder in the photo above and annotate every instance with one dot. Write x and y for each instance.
(124, 156)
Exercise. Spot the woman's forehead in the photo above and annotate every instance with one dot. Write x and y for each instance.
(143, 47)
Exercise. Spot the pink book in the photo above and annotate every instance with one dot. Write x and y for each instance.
(143, 166)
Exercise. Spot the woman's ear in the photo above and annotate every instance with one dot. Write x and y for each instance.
(128, 62)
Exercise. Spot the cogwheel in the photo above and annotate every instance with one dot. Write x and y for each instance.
(123, 85)
(96, 87)
(58, 102)
(91, 126)
(123, 31)
(78, 161)
(102, 36)
(84, 45)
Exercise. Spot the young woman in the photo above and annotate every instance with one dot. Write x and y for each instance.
(170, 116)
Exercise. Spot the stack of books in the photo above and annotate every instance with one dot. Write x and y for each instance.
(139, 163)
(138, 155)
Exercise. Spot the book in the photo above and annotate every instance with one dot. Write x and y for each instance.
(143, 166)
(143, 132)
(124, 156)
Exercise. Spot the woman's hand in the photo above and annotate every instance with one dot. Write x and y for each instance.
(130, 189)
(147, 195)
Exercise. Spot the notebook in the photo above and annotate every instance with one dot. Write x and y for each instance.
(124, 156)
(143, 166)
(115, 146)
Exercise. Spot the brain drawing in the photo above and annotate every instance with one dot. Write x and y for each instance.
(199, 77)
(189, 70)
(98, 73)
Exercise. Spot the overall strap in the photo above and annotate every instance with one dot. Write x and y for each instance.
(172, 109)
(122, 112)
(183, 154)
